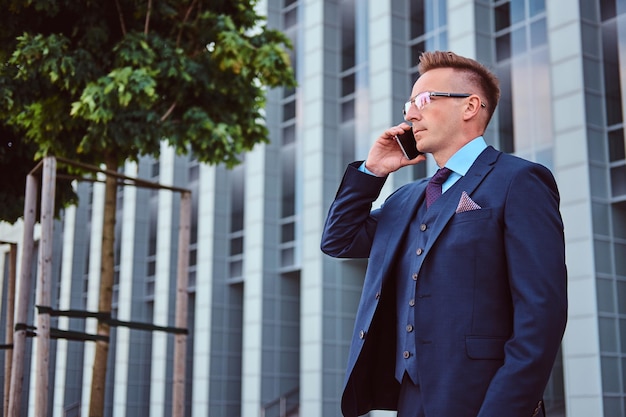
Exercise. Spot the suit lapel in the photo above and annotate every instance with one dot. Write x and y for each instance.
(468, 183)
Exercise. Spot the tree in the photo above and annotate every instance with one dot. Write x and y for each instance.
(103, 82)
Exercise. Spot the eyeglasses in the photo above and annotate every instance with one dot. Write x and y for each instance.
(422, 99)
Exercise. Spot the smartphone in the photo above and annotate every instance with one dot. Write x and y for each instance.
(406, 141)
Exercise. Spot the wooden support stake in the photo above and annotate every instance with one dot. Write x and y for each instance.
(10, 314)
(21, 313)
(182, 297)
(44, 286)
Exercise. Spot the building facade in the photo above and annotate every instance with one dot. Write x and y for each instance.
(270, 316)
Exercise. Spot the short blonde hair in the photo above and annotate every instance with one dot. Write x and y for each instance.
(477, 74)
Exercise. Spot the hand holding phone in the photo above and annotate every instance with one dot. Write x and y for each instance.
(406, 141)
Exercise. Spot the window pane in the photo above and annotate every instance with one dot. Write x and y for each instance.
(606, 304)
(611, 74)
(616, 145)
(236, 246)
(537, 6)
(347, 85)
(288, 232)
(607, 9)
(289, 110)
(290, 18)
(347, 110)
(538, 33)
(502, 17)
(608, 336)
(517, 11)
(518, 41)
(503, 47)
(618, 182)
(417, 19)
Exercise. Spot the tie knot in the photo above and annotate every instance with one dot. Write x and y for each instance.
(433, 188)
(441, 176)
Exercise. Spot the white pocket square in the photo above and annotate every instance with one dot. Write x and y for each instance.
(466, 204)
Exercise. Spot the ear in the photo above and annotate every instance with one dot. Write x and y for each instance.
(473, 107)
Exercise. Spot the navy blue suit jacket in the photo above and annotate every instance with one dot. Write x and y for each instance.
(491, 302)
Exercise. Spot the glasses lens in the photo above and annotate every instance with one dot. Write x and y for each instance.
(407, 107)
(419, 100)
(422, 99)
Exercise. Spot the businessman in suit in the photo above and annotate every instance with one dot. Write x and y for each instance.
(464, 300)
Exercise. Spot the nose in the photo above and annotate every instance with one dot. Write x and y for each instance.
(413, 113)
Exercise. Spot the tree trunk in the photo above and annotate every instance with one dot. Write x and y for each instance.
(98, 382)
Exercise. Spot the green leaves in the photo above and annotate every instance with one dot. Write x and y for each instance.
(85, 80)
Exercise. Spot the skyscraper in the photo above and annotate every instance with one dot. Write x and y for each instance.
(270, 317)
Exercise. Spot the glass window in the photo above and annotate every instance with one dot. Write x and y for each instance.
(616, 145)
(418, 28)
(602, 256)
(416, 51)
(443, 13)
(348, 25)
(502, 16)
(236, 198)
(518, 41)
(505, 110)
(538, 33)
(290, 18)
(618, 182)
(537, 6)
(503, 47)
(620, 260)
(595, 145)
(610, 373)
(608, 335)
(517, 11)
(622, 327)
(611, 74)
(618, 211)
(236, 246)
(600, 219)
(607, 9)
(289, 134)
(593, 109)
(288, 232)
(346, 133)
(606, 299)
(288, 173)
(289, 110)
(347, 110)
(347, 85)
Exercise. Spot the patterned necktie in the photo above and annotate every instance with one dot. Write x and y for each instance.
(433, 189)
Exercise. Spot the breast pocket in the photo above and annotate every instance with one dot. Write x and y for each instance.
(472, 215)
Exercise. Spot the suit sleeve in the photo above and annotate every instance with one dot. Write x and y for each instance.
(351, 224)
(535, 251)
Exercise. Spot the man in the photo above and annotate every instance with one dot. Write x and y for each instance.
(464, 300)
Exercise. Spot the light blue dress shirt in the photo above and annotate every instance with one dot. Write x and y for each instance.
(459, 163)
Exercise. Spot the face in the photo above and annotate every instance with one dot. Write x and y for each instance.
(438, 125)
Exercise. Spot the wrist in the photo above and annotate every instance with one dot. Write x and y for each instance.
(373, 171)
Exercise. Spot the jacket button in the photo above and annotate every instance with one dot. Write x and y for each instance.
(423, 227)
(411, 302)
(362, 334)
(406, 354)
(409, 328)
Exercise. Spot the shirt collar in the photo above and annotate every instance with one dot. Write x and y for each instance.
(463, 159)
